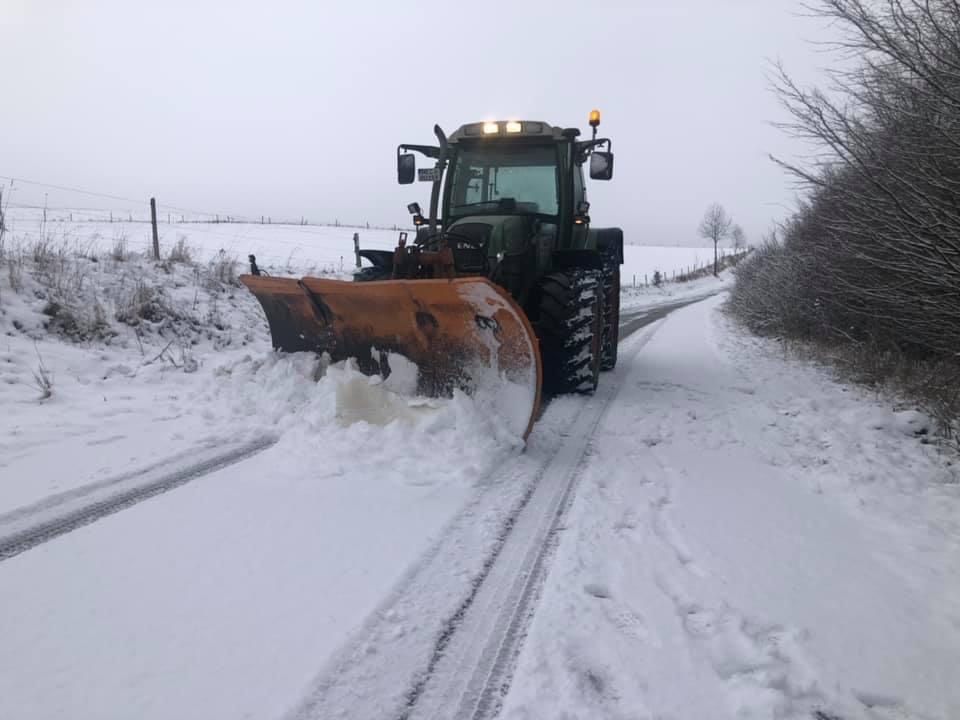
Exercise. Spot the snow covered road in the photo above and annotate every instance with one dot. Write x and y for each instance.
(29, 526)
(746, 538)
(748, 541)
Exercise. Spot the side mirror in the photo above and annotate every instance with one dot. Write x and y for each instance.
(601, 165)
(406, 168)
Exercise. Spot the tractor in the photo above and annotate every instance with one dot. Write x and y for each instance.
(504, 282)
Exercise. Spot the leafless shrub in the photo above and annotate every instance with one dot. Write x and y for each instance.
(871, 261)
(739, 238)
(214, 318)
(15, 269)
(180, 252)
(223, 269)
(43, 253)
(3, 223)
(119, 251)
(144, 303)
(78, 323)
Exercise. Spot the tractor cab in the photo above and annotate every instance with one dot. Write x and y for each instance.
(508, 198)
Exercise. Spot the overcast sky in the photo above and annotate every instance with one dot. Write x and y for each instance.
(295, 107)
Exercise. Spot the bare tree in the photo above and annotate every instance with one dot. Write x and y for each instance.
(739, 237)
(715, 226)
(871, 260)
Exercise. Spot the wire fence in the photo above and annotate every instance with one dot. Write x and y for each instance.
(293, 242)
(277, 242)
(137, 210)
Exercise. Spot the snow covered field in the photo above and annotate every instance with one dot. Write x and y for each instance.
(286, 249)
(746, 538)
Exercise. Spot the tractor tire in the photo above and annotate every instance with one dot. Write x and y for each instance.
(571, 327)
(611, 311)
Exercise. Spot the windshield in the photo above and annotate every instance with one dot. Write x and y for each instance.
(490, 176)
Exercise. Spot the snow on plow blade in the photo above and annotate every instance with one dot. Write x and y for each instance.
(462, 333)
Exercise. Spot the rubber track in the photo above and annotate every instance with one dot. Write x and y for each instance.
(27, 538)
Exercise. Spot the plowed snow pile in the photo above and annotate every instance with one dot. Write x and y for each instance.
(308, 402)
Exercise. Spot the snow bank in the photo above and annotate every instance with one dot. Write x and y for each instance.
(301, 394)
(150, 359)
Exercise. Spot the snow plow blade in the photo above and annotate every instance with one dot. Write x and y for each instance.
(462, 333)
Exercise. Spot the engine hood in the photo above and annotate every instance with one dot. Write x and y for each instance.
(503, 233)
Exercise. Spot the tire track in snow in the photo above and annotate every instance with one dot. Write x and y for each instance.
(25, 528)
(460, 666)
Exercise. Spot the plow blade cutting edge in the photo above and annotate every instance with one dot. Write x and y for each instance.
(462, 333)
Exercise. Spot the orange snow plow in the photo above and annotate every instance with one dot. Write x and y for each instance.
(463, 334)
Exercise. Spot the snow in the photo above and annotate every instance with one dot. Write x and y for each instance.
(284, 248)
(749, 538)
(641, 261)
(116, 402)
(669, 293)
(510, 392)
(221, 599)
(748, 543)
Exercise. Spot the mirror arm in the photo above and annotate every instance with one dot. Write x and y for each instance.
(585, 147)
(430, 151)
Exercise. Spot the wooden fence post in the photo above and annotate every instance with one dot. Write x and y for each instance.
(153, 221)
(356, 248)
